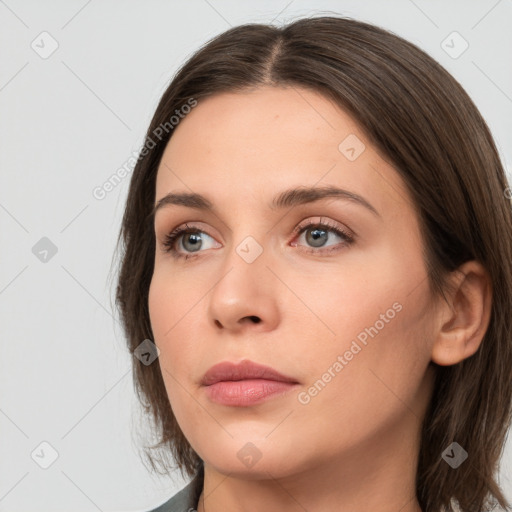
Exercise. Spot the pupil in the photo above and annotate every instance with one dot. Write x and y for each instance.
(194, 238)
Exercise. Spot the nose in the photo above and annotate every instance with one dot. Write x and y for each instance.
(245, 297)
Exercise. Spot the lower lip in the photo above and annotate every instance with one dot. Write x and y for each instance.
(243, 393)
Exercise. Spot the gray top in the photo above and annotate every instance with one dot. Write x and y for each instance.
(185, 500)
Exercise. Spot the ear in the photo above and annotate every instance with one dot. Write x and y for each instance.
(463, 321)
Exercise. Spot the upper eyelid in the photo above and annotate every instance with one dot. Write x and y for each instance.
(330, 224)
(305, 210)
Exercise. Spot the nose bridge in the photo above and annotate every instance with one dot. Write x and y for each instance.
(248, 234)
(245, 287)
(245, 265)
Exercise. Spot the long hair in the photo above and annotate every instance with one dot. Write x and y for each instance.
(426, 126)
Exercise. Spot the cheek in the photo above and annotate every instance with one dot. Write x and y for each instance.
(371, 380)
(343, 300)
(376, 318)
(165, 312)
(160, 304)
(170, 303)
(169, 307)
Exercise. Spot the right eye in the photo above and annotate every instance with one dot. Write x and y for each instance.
(189, 239)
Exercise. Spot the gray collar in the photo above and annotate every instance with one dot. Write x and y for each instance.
(186, 500)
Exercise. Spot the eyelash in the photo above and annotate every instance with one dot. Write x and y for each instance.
(171, 238)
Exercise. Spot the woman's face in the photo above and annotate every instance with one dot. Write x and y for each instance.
(346, 318)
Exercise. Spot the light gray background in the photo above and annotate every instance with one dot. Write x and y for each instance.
(67, 123)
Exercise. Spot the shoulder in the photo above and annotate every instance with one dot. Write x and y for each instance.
(182, 501)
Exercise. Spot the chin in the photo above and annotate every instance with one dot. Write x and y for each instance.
(254, 459)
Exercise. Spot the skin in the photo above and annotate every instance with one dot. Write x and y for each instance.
(354, 445)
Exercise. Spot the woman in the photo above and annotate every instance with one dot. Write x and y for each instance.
(317, 238)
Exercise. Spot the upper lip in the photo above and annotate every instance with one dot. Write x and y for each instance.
(240, 371)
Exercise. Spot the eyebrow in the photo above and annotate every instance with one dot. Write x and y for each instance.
(285, 199)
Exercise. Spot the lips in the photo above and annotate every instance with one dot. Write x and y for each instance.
(245, 384)
(244, 370)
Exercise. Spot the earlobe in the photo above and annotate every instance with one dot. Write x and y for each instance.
(463, 320)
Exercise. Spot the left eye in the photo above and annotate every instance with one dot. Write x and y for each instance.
(316, 235)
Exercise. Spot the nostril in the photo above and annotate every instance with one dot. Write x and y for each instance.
(254, 318)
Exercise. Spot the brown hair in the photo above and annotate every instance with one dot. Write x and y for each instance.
(422, 121)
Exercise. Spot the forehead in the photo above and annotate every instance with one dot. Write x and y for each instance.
(235, 146)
